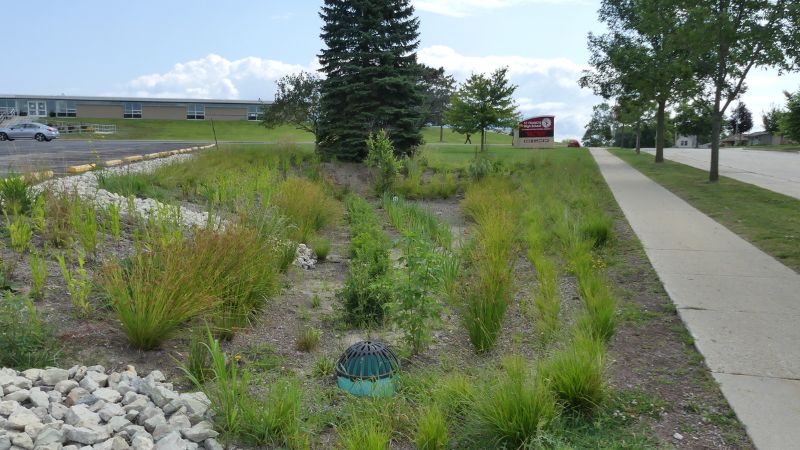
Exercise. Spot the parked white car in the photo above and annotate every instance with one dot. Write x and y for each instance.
(33, 130)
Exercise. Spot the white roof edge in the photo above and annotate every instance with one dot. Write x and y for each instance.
(131, 99)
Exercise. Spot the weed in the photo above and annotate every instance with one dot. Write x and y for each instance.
(577, 374)
(308, 339)
(364, 434)
(321, 247)
(198, 360)
(25, 340)
(517, 408)
(324, 367)
(79, 286)
(38, 214)
(431, 429)
(275, 420)
(316, 301)
(20, 232)
(38, 267)
(16, 194)
(113, 216)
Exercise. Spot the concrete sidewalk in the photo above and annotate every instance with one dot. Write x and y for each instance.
(776, 171)
(741, 306)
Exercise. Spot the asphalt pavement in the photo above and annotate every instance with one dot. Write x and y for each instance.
(776, 171)
(29, 155)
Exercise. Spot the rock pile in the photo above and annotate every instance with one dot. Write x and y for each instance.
(86, 186)
(305, 257)
(84, 408)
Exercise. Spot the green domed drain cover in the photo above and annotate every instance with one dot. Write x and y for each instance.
(367, 369)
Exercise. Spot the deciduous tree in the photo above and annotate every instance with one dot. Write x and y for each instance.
(734, 37)
(790, 120)
(438, 88)
(599, 129)
(772, 120)
(483, 103)
(693, 118)
(296, 103)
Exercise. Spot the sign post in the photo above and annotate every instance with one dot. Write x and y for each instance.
(535, 132)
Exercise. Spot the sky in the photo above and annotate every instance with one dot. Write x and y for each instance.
(237, 49)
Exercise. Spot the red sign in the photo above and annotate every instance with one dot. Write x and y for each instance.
(542, 126)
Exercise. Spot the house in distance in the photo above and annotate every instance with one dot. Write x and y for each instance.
(535, 132)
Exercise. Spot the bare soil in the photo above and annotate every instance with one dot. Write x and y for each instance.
(651, 351)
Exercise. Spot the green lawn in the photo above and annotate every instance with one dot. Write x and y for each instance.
(769, 220)
(451, 157)
(239, 130)
(775, 148)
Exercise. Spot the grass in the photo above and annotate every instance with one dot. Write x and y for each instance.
(25, 340)
(307, 205)
(79, 286)
(577, 374)
(321, 247)
(431, 429)
(308, 339)
(38, 266)
(488, 289)
(767, 219)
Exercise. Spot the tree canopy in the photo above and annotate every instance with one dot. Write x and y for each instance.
(694, 119)
(599, 130)
(741, 120)
(772, 120)
(372, 76)
(483, 103)
(437, 88)
(790, 120)
(296, 102)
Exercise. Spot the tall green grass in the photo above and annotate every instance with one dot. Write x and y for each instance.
(307, 206)
(420, 220)
(577, 374)
(517, 408)
(26, 341)
(489, 289)
(431, 429)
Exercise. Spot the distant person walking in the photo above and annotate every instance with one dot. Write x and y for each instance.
(468, 141)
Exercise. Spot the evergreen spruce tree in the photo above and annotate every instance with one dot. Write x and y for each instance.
(372, 76)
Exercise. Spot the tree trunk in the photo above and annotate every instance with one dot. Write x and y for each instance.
(716, 126)
(660, 129)
(638, 138)
(483, 139)
(441, 133)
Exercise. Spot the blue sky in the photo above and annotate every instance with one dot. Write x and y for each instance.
(238, 48)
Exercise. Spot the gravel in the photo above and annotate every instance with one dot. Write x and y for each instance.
(58, 409)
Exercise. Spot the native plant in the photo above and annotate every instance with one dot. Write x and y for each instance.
(431, 429)
(20, 232)
(113, 218)
(308, 207)
(576, 374)
(380, 154)
(79, 286)
(25, 340)
(83, 219)
(38, 266)
(16, 194)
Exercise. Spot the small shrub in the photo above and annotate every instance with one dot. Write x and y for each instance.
(25, 341)
(324, 367)
(414, 310)
(79, 286)
(38, 267)
(308, 339)
(577, 374)
(321, 247)
(307, 206)
(365, 434)
(20, 232)
(517, 408)
(431, 429)
(380, 154)
(16, 194)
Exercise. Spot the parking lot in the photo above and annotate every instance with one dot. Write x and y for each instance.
(30, 155)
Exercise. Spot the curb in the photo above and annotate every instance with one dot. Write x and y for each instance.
(80, 169)
(39, 176)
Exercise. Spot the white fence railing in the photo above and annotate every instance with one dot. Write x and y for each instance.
(81, 128)
(7, 113)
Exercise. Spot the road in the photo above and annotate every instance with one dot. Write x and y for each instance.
(30, 155)
(776, 171)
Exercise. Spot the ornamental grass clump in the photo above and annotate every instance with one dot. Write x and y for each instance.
(517, 408)
(431, 429)
(577, 374)
(307, 205)
(230, 274)
(25, 341)
(365, 433)
(488, 289)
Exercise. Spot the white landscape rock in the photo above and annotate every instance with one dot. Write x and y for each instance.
(56, 413)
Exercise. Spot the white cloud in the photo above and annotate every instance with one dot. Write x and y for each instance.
(214, 76)
(463, 8)
(545, 86)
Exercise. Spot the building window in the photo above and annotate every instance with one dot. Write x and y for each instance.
(65, 108)
(255, 112)
(132, 110)
(195, 111)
